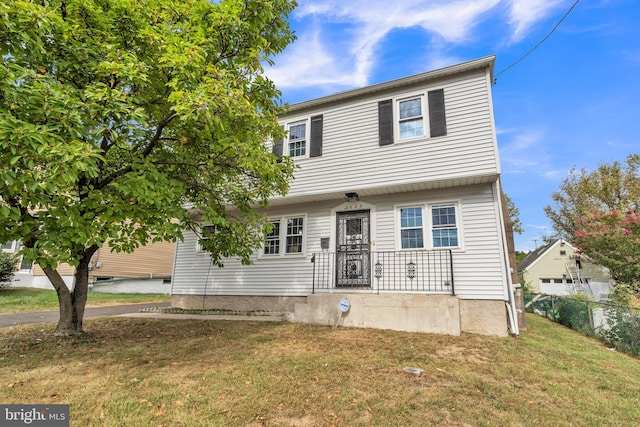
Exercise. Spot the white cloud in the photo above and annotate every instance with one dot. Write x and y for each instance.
(525, 13)
(538, 227)
(308, 62)
(345, 59)
(314, 60)
(527, 153)
(524, 152)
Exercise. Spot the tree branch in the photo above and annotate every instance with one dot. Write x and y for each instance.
(152, 144)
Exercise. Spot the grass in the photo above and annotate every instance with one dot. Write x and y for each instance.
(155, 372)
(20, 300)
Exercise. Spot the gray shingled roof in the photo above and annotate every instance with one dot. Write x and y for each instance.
(534, 255)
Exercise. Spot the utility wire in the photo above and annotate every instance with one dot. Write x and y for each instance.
(495, 78)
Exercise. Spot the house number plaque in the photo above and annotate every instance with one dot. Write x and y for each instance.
(353, 206)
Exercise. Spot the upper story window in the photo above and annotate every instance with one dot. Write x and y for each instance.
(286, 236)
(411, 121)
(304, 138)
(435, 227)
(297, 143)
(421, 115)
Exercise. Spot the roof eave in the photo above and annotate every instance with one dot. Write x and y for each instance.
(487, 61)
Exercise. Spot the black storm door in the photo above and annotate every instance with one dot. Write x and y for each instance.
(352, 250)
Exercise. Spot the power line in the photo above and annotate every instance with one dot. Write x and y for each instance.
(495, 78)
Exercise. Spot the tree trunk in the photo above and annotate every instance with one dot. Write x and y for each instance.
(72, 303)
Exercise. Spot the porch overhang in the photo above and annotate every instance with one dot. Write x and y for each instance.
(297, 196)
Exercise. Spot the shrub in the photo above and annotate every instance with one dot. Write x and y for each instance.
(624, 331)
(8, 264)
(573, 312)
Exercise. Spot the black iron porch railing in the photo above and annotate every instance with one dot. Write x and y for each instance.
(421, 271)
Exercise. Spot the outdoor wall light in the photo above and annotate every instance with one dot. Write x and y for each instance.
(351, 196)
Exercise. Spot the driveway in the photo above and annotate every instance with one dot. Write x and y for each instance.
(53, 316)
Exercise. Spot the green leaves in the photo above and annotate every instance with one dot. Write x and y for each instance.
(583, 193)
(612, 239)
(115, 114)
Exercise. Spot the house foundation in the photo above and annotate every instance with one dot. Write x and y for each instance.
(237, 302)
(436, 314)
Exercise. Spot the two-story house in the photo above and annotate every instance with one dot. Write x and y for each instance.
(394, 219)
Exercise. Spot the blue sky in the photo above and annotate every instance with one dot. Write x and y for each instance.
(573, 102)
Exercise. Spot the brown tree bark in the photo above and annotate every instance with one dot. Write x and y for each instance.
(72, 303)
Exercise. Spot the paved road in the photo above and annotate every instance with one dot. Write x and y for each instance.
(53, 316)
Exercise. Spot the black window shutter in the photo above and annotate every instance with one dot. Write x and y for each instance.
(385, 122)
(315, 149)
(437, 119)
(277, 148)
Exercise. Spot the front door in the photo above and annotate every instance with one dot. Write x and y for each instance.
(352, 250)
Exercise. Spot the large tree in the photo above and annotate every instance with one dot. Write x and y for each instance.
(611, 187)
(120, 119)
(612, 239)
(599, 212)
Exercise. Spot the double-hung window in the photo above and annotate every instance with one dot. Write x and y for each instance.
(410, 118)
(434, 227)
(411, 228)
(297, 142)
(443, 225)
(206, 231)
(286, 236)
(272, 241)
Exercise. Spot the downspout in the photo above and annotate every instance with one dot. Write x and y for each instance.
(173, 268)
(510, 303)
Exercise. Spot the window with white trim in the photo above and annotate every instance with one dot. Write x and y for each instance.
(12, 246)
(272, 241)
(444, 227)
(410, 118)
(439, 220)
(286, 236)
(297, 142)
(411, 228)
(205, 234)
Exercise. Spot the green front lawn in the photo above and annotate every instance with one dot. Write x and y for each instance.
(20, 300)
(154, 372)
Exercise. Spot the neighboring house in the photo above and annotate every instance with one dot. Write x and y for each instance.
(394, 219)
(558, 268)
(146, 270)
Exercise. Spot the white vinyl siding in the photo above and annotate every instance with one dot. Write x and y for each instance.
(352, 158)
(461, 167)
(478, 267)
